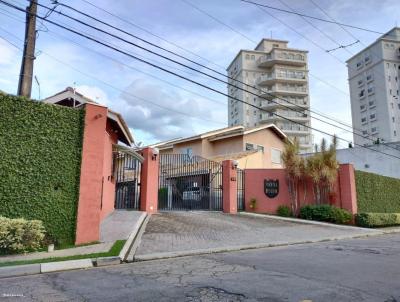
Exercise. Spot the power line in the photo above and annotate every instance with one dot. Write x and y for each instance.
(157, 46)
(301, 111)
(340, 46)
(305, 37)
(217, 20)
(311, 17)
(313, 111)
(152, 34)
(113, 87)
(192, 81)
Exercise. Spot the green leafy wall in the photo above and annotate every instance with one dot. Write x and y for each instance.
(376, 193)
(40, 158)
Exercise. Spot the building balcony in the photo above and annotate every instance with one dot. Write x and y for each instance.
(273, 118)
(291, 58)
(271, 78)
(270, 92)
(278, 103)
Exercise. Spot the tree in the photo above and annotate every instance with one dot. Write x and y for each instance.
(294, 165)
(322, 168)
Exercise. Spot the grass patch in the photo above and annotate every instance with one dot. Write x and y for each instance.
(114, 251)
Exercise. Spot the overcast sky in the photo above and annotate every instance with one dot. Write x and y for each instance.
(158, 106)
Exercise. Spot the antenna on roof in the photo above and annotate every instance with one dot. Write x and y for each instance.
(74, 95)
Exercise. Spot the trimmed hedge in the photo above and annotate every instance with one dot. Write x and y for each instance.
(325, 213)
(370, 220)
(284, 211)
(376, 193)
(40, 147)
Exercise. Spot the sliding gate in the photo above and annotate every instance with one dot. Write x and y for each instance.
(189, 183)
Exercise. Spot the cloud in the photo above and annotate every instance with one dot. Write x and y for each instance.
(8, 53)
(171, 119)
(94, 93)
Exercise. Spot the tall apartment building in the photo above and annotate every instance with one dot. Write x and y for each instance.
(275, 73)
(374, 81)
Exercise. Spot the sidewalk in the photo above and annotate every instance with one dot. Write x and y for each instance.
(117, 226)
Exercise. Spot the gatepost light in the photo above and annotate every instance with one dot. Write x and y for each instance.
(155, 153)
(235, 164)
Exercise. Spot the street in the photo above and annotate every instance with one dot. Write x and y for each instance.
(366, 269)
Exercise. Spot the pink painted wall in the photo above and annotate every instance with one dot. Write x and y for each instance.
(91, 178)
(149, 181)
(229, 185)
(344, 190)
(108, 195)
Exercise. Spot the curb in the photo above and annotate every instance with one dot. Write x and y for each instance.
(138, 238)
(40, 268)
(129, 242)
(168, 255)
(304, 221)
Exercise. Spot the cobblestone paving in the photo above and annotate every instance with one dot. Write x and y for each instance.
(184, 231)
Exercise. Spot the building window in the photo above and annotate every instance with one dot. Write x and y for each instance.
(371, 104)
(363, 107)
(249, 147)
(276, 156)
(361, 94)
(369, 77)
(260, 148)
(370, 90)
(374, 129)
(365, 132)
(363, 120)
(372, 116)
(393, 119)
(394, 133)
(360, 82)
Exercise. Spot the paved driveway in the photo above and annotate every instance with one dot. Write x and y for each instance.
(169, 232)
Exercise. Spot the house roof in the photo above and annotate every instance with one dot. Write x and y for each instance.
(70, 97)
(219, 134)
(233, 156)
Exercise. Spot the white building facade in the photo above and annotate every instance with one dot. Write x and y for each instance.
(374, 81)
(278, 83)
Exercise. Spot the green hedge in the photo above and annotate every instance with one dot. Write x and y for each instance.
(376, 193)
(40, 147)
(325, 213)
(371, 220)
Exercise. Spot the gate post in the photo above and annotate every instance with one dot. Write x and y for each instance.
(229, 187)
(149, 181)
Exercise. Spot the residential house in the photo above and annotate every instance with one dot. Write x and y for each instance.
(259, 147)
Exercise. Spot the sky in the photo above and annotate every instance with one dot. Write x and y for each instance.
(158, 106)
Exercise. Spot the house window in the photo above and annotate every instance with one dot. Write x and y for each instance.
(276, 156)
(249, 147)
(260, 148)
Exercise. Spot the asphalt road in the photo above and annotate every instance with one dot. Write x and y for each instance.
(365, 269)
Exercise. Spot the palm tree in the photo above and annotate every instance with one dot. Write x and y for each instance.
(322, 167)
(294, 165)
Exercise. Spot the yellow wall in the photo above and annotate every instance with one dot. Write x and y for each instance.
(231, 145)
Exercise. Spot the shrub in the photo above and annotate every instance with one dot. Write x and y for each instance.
(20, 235)
(370, 220)
(325, 213)
(284, 211)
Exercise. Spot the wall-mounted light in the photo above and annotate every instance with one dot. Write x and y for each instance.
(235, 164)
(155, 153)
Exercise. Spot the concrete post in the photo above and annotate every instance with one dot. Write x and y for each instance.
(149, 181)
(348, 193)
(229, 187)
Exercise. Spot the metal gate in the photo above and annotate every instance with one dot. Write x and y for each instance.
(240, 190)
(189, 183)
(127, 171)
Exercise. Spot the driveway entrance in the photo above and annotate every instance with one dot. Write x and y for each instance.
(189, 183)
(187, 231)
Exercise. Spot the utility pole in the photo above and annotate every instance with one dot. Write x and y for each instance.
(26, 74)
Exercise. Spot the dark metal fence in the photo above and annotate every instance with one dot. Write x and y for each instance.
(240, 190)
(127, 171)
(189, 183)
